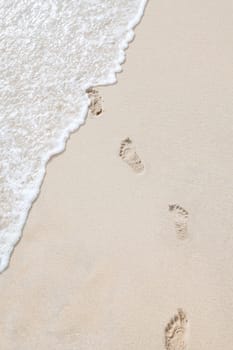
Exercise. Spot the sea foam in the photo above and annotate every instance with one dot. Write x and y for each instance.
(51, 52)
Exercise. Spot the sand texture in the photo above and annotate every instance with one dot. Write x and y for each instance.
(121, 259)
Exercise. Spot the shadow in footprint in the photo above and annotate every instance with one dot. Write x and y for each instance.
(96, 100)
(176, 332)
(129, 155)
(180, 220)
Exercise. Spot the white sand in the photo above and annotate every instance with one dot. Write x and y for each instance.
(100, 266)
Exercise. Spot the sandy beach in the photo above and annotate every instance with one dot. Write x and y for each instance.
(103, 263)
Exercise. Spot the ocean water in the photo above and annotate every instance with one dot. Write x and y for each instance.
(51, 52)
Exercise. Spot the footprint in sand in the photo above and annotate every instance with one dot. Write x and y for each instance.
(180, 220)
(176, 332)
(95, 107)
(130, 156)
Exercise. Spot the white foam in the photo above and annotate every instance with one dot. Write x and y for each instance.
(51, 52)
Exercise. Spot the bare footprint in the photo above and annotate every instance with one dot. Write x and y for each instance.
(176, 332)
(180, 220)
(95, 107)
(130, 156)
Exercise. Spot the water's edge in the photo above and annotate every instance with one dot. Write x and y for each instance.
(62, 142)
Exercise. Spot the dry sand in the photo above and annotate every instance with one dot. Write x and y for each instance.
(101, 264)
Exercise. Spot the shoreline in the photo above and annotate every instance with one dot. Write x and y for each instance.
(100, 264)
(12, 229)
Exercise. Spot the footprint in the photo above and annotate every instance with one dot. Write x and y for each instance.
(180, 220)
(176, 332)
(130, 156)
(95, 107)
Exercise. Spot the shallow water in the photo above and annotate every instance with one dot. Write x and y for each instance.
(51, 52)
